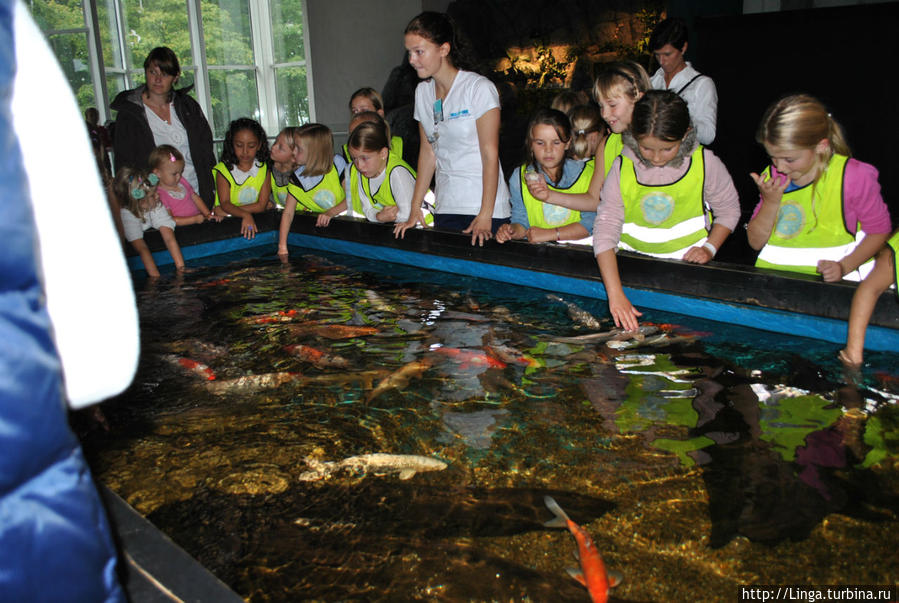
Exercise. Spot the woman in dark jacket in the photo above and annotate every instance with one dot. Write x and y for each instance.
(155, 114)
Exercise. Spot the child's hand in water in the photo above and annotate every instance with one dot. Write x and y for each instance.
(772, 188)
(623, 313)
(248, 227)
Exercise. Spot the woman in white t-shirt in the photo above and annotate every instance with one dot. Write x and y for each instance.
(458, 116)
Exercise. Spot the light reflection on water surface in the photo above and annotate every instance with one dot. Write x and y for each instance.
(699, 460)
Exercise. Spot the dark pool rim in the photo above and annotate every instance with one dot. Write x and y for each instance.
(770, 300)
(152, 568)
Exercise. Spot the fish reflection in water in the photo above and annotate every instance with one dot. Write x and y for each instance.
(673, 448)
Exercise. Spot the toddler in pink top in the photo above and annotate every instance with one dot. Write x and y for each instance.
(175, 193)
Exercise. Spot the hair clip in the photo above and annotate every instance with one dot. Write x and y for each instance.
(581, 132)
(138, 193)
(152, 179)
(172, 158)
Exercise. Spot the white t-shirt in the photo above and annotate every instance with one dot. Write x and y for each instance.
(700, 95)
(175, 135)
(454, 136)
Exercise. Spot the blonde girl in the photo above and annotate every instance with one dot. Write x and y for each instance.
(821, 212)
(315, 185)
(283, 164)
(550, 199)
(616, 90)
(242, 183)
(141, 210)
(175, 192)
(587, 131)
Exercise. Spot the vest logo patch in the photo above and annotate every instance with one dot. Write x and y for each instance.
(324, 199)
(790, 221)
(282, 198)
(247, 195)
(657, 207)
(555, 214)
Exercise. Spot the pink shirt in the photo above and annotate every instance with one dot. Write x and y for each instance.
(180, 202)
(863, 205)
(718, 189)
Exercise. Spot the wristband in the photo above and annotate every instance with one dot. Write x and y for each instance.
(712, 249)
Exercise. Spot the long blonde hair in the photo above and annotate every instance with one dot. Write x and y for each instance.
(801, 121)
(585, 119)
(319, 143)
(131, 187)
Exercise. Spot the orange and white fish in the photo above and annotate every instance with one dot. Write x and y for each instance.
(192, 366)
(316, 357)
(469, 359)
(279, 316)
(593, 571)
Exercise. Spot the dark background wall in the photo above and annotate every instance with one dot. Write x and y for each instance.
(844, 56)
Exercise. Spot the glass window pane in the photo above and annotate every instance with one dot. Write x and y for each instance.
(287, 31)
(59, 14)
(293, 98)
(149, 24)
(233, 94)
(108, 27)
(71, 52)
(226, 28)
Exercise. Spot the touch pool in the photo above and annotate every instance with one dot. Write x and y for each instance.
(702, 458)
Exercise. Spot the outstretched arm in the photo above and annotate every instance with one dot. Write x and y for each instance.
(481, 228)
(623, 313)
(427, 164)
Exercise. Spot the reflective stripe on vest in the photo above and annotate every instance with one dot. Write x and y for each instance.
(810, 229)
(613, 148)
(664, 220)
(321, 197)
(245, 193)
(547, 215)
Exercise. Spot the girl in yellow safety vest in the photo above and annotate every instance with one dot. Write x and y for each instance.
(550, 194)
(242, 182)
(657, 197)
(316, 184)
(821, 212)
(380, 184)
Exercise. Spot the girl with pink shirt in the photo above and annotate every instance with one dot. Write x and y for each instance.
(660, 196)
(176, 193)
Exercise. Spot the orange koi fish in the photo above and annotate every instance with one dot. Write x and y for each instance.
(280, 316)
(316, 357)
(470, 358)
(593, 570)
(332, 331)
(192, 366)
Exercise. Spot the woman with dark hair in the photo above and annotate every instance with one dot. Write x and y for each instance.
(155, 114)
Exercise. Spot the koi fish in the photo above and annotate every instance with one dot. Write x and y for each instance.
(316, 357)
(593, 571)
(612, 334)
(577, 314)
(407, 465)
(400, 378)
(192, 366)
(250, 383)
(331, 331)
(217, 283)
(274, 317)
(470, 358)
(510, 355)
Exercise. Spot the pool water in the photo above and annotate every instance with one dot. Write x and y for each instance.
(702, 458)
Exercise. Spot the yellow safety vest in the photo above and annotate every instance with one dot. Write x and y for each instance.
(547, 215)
(245, 193)
(664, 220)
(321, 197)
(613, 148)
(810, 224)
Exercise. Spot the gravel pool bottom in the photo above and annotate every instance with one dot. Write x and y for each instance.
(700, 458)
